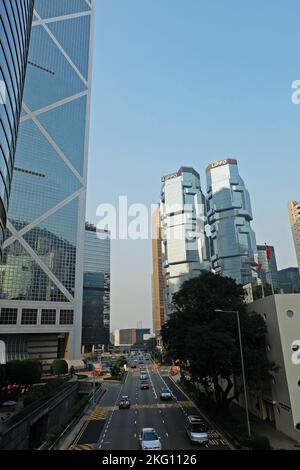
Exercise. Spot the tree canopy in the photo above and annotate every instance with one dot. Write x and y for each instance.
(25, 372)
(207, 342)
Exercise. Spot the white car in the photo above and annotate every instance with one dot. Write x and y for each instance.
(165, 394)
(149, 440)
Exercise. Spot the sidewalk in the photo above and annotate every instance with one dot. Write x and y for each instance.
(278, 441)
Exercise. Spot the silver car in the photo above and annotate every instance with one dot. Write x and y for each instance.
(149, 439)
(144, 377)
(197, 430)
(165, 394)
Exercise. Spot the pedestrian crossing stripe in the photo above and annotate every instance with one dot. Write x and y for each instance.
(143, 406)
(99, 414)
(82, 447)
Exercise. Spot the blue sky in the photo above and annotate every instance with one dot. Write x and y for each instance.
(188, 82)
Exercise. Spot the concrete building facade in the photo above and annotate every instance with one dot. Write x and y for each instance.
(279, 403)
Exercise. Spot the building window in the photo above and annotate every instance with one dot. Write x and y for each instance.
(8, 316)
(29, 316)
(66, 317)
(48, 317)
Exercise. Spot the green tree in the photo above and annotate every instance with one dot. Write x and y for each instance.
(206, 342)
(25, 372)
(59, 366)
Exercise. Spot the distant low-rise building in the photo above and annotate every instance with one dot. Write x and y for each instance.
(128, 337)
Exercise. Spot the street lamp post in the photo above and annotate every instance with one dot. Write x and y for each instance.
(242, 363)
(94, 384)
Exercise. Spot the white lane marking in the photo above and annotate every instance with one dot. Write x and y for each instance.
(167, 434)
(155, 395)
(111, 415)
(134, 435)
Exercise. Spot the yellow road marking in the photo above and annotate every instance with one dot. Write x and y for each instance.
(83, 447)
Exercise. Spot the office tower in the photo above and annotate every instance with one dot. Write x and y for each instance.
(41, 281)
(289, 280)
(158, 276)
(232, 242)
(268, 272)
(294, 214)
(96, 289)
(15, 28)
(183, 218)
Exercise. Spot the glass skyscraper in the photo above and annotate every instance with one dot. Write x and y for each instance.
(96, 289)
(41, 275)
(268, 272)
(15, 28)
(233, 243)
(183, 219)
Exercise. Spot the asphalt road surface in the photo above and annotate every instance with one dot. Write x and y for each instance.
(112, 429)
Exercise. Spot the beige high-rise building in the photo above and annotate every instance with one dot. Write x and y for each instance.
(158, 277)
(294, 213)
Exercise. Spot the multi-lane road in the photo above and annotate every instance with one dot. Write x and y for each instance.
(112, 429)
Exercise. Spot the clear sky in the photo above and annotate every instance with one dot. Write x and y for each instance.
(188, 82)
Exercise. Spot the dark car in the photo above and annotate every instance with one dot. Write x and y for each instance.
(144, 386)
(124, 403)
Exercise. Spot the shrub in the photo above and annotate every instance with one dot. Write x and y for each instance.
(256, 442)
(59, 366)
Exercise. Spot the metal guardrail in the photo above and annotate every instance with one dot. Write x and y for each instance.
(36, 408)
